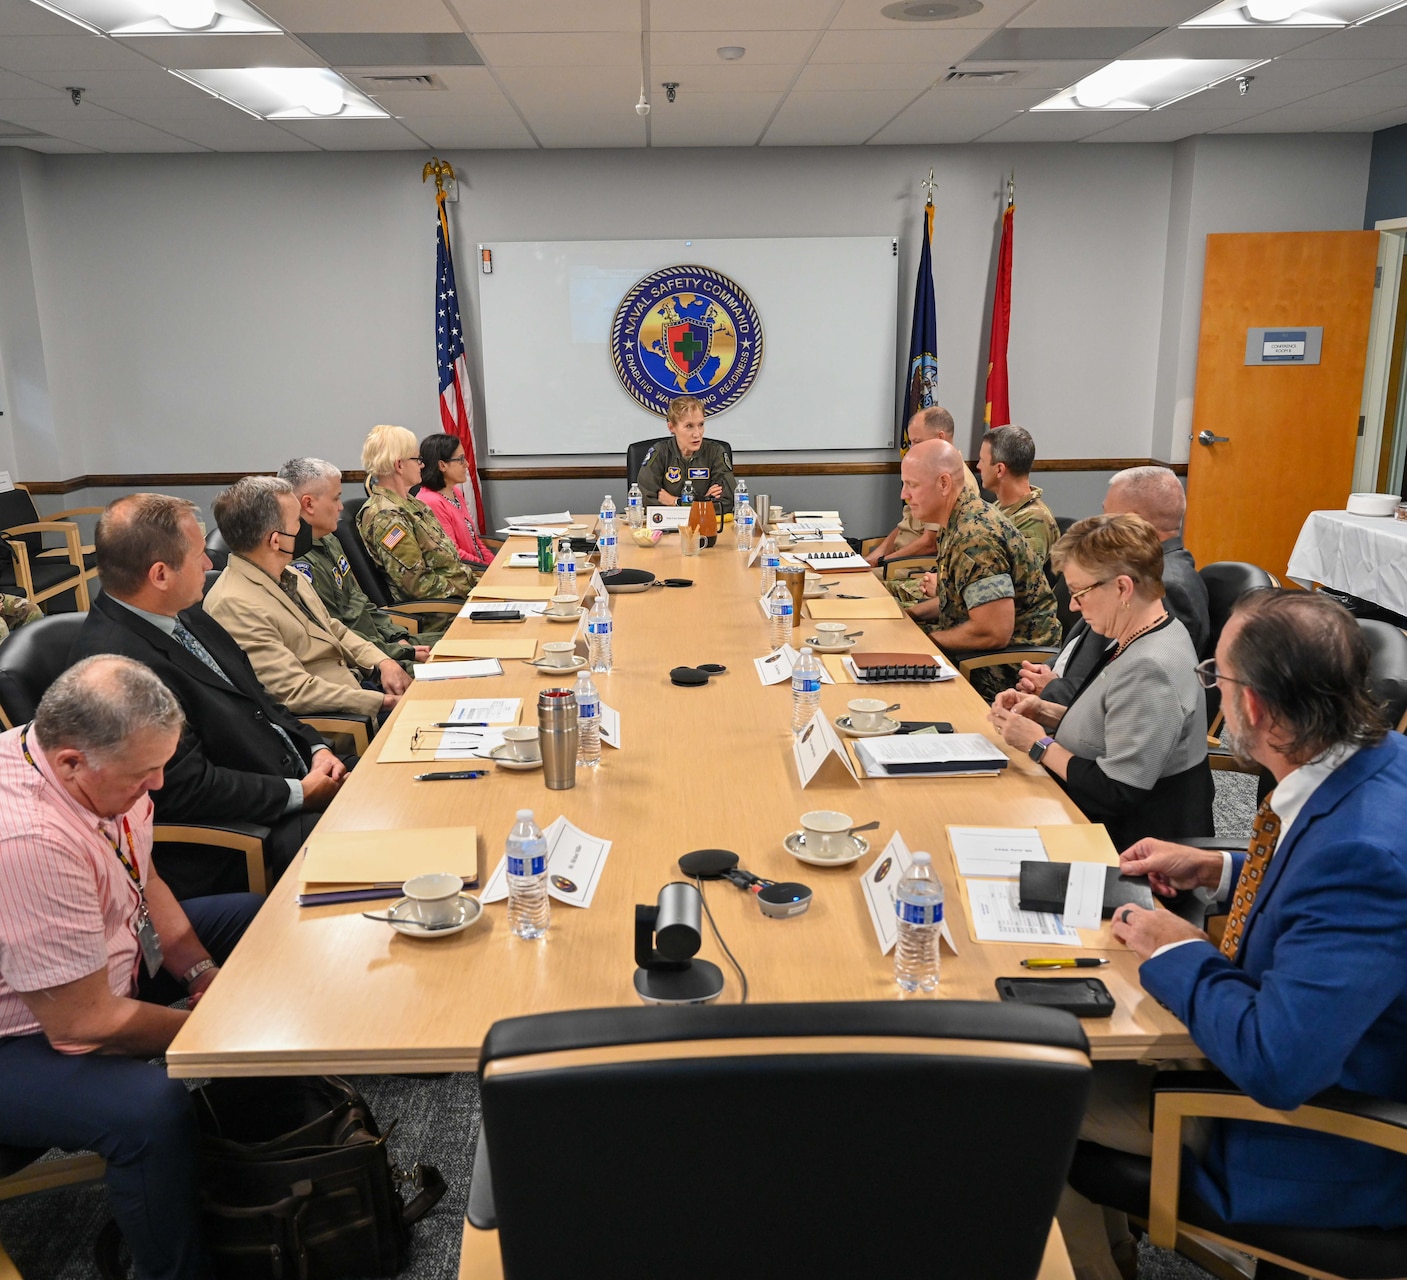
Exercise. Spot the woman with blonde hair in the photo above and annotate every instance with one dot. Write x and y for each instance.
(400, 532)
(705, 464)
(1131, 748)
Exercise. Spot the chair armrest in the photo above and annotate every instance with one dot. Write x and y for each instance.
(358, 728)
(906, 563)
(482, 1212)
(72, 544)
(410, 621)
(242, 837)
(869, 544)
(76, 511)
(969, 660)
(413, 607)
(1182, 1095)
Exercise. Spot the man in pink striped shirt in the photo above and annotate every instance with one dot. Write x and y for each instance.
(93, 947)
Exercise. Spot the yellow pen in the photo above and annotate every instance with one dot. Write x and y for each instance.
(1074, 962)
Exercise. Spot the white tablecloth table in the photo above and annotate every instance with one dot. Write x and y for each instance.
(1366, 556)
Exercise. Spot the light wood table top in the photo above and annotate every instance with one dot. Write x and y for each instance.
(321, 989)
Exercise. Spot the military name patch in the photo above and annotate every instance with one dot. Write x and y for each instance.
(686, 330)
(698, 473)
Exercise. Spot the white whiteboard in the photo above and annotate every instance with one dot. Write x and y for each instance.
(829, 315)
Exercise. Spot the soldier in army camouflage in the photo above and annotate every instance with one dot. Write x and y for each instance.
(318, 487)
(15, 611)
(988, 589)
(1005, 459)
(687, 456)
(400, 532)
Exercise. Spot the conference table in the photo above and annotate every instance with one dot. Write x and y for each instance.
(320, 989)
(1364, 556)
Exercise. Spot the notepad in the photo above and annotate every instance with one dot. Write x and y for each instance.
(875, 607)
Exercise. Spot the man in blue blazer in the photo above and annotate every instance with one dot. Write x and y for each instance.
(1309, 987)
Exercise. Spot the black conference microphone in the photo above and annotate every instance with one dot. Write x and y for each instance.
(667, 937)
(776, 900)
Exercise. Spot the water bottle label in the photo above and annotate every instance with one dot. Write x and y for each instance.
(919, 912)
(781, 608)
(586, 710)
(598, 628)
(806, 684)
(633, 501)
(770, 562)
(533, 866)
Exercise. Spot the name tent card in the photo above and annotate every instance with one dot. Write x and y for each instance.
(575, 861)
(814, 745)
(880, 884)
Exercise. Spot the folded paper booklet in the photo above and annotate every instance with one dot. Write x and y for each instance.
(930, 755)
(352, 866)
(874, 607)
(878, 668)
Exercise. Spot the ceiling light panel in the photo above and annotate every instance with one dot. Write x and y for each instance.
(1293, 13)
(162, 17)
(286, 93)
(1145, 84)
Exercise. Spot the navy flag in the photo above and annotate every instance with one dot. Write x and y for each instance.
(922, 389)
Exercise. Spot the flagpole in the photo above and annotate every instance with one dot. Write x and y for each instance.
(922, 373)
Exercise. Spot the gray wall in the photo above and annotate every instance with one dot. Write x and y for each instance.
(1387, 178)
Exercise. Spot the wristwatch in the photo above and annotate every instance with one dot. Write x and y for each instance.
(199, 967)
(1037, 752)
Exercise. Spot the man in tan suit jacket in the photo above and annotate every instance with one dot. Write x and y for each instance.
(304, 657)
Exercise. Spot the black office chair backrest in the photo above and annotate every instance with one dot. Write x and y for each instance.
(1387, 667)
(17, 507)
(746, 1139)
(364, 569)
(1064, 523)
(217, 549)
(31, 659)
(635, 456)
(1227, 581)
(212, 576)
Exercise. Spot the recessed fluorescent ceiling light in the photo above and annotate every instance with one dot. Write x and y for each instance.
(162, 17)
(1293, 13)
(286, 93)
(1145, 84)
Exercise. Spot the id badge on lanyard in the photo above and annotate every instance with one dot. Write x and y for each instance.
(147, 937)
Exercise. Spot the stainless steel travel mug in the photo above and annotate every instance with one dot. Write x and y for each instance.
(557, 731)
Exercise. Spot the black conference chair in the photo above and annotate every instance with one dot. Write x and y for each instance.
(1157, 1191)
(1387, 669)
(742, 1139)
(217, 549)
(1227, 581)
(31, 659)
(374, 582)
(635, 456)
(212, 576)
(37, 572)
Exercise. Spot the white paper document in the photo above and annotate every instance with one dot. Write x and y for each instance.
(813, 744)
(525, 607)
(777, 666)
(523, 560)
(930, 755)
(468, 744)
(6, 484)
(531, 531)
(880, 883)
(486, 711)
(610, 726)
(1084, 895)
(470, 668)
(995, 851)
(552, 517)
(997, 916)
(575, 861)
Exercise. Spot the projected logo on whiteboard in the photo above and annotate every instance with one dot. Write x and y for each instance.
(686, 331)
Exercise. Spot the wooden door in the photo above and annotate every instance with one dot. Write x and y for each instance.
(1291, 430)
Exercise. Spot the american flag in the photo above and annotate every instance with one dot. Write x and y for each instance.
(456, 404)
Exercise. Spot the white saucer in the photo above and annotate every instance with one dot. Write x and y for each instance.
(562, 617)
(504, 761)
(470, 910)
(815, 643)
(794, 844)
(891, 725)
(577, 663)
(815, 593)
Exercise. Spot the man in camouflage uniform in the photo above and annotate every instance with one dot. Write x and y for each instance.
(403, 536)
(687, 456)
(15, 611)
(989, 590)
(1005, 460)
(318, 487)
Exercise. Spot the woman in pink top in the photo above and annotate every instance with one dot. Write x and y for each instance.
(445, 471)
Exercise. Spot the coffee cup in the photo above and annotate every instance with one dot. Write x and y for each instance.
(577, 530)
(827, 833)
(560, 653)
(867, 713)
(521, 742)
(434, 898)
(563, 604)
(830, 635)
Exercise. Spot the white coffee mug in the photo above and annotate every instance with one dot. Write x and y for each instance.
(867, 713)
(827, 833)
(563, 604)
(561, 653)
(831, 634)
(434, 898)
(522, 743)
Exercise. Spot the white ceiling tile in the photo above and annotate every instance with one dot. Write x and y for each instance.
(21, 18)
(701, 47)
(1108, 13)
(211, 123)
(1376, 40)
(712, 120)
(354, 135)
(14, 85)
(50, 115)
(911, 77)
(580, 49)
(830, 119)
(433, 105)
(203, 53)
(496, 128)
(123, 135)
(933, 48)
(1055, 126)
(727, 77)
(865, 15)
(79, 52)
(615, 83)
(52, 147)
(1029, 75)
(740, 15)
(549, 15)
(1168, 125)
(1297, 118)
(145, 81)
(585, 122)
(360, 16)
(951, 126)
(1314, 75)
(1212, 42)
(1388, 120)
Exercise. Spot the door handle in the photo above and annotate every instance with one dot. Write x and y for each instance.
(1206, 438)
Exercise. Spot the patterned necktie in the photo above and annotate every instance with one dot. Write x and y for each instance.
(288, 582)
(1264, 834)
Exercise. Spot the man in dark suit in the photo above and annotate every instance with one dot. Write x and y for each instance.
(242, 756)
(1308, 988)
(1156, 494)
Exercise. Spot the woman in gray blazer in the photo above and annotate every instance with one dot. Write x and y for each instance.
(1131, 748)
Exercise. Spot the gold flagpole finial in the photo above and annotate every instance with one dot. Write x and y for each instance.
(929, 185)
(441, 170)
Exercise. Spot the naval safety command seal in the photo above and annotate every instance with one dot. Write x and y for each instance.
(684, 331)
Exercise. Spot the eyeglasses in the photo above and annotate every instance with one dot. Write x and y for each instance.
(415, 460)
(458, 457)
(1208, 675)
(1084, 591)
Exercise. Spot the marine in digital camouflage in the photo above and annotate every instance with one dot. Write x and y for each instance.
(665, 467)
(406, 540)
(15, 611)
(1033, 518)
(981, 558)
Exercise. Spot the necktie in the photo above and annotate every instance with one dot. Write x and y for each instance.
(288, 582)
(191, 645)
(1264, 834)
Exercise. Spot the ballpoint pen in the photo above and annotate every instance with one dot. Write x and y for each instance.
(458, 724)
(450, 777)
(1074, 962)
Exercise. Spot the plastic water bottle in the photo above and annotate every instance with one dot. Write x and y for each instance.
(919, 906)
(744, 518)
(770, 561)
(529, 909)
(686, 494)
(805, 687)
(588, 722)
(566, 567)
(635, 507)
(779, 620)
(606, 539)
(598, 635)
(739, 496)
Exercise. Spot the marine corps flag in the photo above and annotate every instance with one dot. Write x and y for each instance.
(998, 413)
(923, 363)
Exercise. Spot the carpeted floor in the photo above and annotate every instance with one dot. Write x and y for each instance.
(50, 1236)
